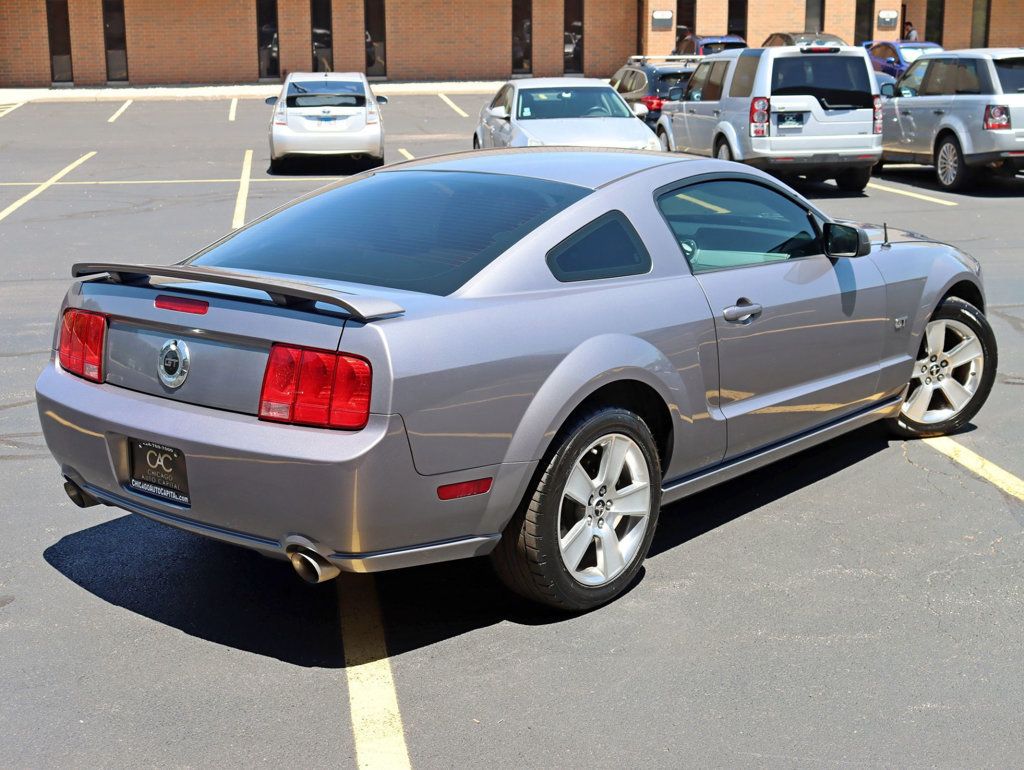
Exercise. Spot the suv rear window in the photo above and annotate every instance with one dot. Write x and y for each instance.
(425, 231)
(326, 93)
(1011, 75)
(837, 82)
(667, 80)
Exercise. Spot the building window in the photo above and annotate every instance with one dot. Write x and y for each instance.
(979, 23)
(573, 36)
(373, 12)
(738, 18)
(814, 14)
(114, 40)
(686, 20)
(522, 36)
(60, 40)
(864, 21)
(267, 40)
(323, 46)
(935, 18)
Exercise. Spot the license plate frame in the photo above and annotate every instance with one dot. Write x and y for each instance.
(791, 120)
(158, 471)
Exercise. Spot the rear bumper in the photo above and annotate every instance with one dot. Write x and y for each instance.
(354, 497)
(1007, 159)
(369, 140)
(824, 163)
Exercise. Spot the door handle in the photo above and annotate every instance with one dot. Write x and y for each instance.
(692, 111)
(938, 112)
(716, 113)
(743, 311)
(904, 112)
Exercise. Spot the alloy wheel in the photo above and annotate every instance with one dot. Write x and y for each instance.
(948, 374)
(948, 164)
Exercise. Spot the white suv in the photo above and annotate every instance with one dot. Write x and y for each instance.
(794, 110)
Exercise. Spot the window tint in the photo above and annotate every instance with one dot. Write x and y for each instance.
(667, 80)
(941, 78)
(910, 83)
(608, 247)
(426, 231)
(725, 224)
(696, 84)
(618, 80)
(967, 78)
(1011, 75)
(326, 93)
(743, 75)
(836, 81)
(884, 52)
(500, 97)
(713, 89)
(571, 102)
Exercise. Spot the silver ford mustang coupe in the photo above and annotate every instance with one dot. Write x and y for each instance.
(521, 353)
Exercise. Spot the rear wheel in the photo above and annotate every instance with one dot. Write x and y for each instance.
(723, 151)
(663, 138)
(951, 172)
(581, 535)
(953, 374)
(853, 179)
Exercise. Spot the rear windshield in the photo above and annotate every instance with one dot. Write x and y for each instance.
(710, 48)
(837, 82)
(1011, 75)
(669, 79)
(571, 102)
(425, 231)
(326, 93)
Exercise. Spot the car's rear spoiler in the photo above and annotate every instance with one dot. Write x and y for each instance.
(281, 290)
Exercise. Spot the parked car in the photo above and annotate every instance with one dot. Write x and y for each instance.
(796, 111)
(326, 113)
(894, 56)
(551, 346)
(802, 39)
(579, 112)
(701, 45)
(882, 79)
(647, 79)
(961, 111)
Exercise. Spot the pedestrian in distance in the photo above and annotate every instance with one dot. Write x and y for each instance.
(909, 33)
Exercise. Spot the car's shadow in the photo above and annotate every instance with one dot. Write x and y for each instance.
(983, 186)
(237, 598)
(322, 166)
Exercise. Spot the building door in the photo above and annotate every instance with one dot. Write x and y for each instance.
(60, 40)
(373, 13)
(114, 40)
(573, 37)
(522, 37)
(321, 31)
(267, 42)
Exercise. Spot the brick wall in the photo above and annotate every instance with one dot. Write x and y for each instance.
(24, 46)
(295, 35)
(781, 16)
(88, 49)
(548, 42)
(1006, 27)
(657, 42)
(841, 19)
(917, 12)
(609, 35)
(712, 17)
(956, 32)
(348, 35)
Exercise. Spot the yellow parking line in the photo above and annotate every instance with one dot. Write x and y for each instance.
(231, 110)
(243, 191)
(120, 110)
(42, 187)
(406, 154)
(372, 699)
(978, 465)
(453, 105)
(909, 194)
(7, 109)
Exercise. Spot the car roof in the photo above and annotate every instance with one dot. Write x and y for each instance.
(557, 82)
(326, 76)
(989, 53)
(730, 38)
(583, 167)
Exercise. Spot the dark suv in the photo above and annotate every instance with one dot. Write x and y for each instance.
(647, 79)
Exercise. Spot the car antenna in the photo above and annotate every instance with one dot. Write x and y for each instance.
(885, 235)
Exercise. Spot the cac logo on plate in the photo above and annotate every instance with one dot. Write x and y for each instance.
(173, 365)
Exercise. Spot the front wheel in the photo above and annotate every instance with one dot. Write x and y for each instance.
(951, 171)
(663, 138)
(581, 535)
(853, 179)
(953, 374)
(723, 152)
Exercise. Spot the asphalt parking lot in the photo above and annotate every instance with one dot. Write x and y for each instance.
(859, 604)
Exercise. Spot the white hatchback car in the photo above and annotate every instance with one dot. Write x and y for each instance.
(326, 113)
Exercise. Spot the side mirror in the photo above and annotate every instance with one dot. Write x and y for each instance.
(499, 112)
(888, 90)
(640, 109)
(891, 60)
(382, 100)
(271, 100)
(846, 241)
(675, 93)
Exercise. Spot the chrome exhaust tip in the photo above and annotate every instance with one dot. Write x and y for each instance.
(312, 567)
(79, 496)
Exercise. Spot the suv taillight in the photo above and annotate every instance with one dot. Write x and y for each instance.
(653, 103)
(759, 116)
(878, 114)
(82, 334)
(315, 387)
(997, 116)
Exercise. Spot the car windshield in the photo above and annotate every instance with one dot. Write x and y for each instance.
(1011, 75)
(837, 82)
(326, 93)
(571, 102)
(911, 53)
(728, 45)
(425, 231)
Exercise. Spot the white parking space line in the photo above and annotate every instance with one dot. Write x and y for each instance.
(120, 111)
(978, 465)
(232, 110)
(406, 154)
(42, 187)
(7, 109)
(373, 702)
(453, 105)
(243, 191)
(909, 194)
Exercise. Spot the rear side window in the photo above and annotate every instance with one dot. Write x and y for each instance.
(968, 79)
(743, 76)
(696, 84)
(425, 231)
(1011, 75)
(837, 82)
(608, 247)
(941, 78)
(713, 89)
(325, 93)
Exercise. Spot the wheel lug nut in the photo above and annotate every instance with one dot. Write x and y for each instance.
(934, 358)
(945, 363)
(602, 491)
(600, 522)
(924, 368)
(940, 376)
(927, 380)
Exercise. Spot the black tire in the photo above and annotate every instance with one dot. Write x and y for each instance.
(527, 559)
(878, 168)
(853, 179)
(277, 165)
(663, 139)
(374, 162)
(956, 309)
(476, 142)
(722, 150)
(960, 175)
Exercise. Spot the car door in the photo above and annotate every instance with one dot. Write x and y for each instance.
(680, 125)
(920, 115)
(702, 114)
(503, 127)
(898, 126)
(495, 128)
(800, 334)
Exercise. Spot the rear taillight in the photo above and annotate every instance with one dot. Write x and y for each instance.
(182, 304)
(878, 114)
(82, 335)
(315, 387)
(372, 116)
(281, 115)
(759, 117)
(997, 116)
(653, 103)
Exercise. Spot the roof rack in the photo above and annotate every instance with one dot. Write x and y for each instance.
(676, 59)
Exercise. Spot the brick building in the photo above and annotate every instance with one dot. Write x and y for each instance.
(94, 42)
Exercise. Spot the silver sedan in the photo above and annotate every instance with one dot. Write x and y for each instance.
(570, 112)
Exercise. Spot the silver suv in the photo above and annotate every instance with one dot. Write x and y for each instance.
(958, 110)
(795, 110)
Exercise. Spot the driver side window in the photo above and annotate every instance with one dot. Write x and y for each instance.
(730, 223)
(910, 83)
